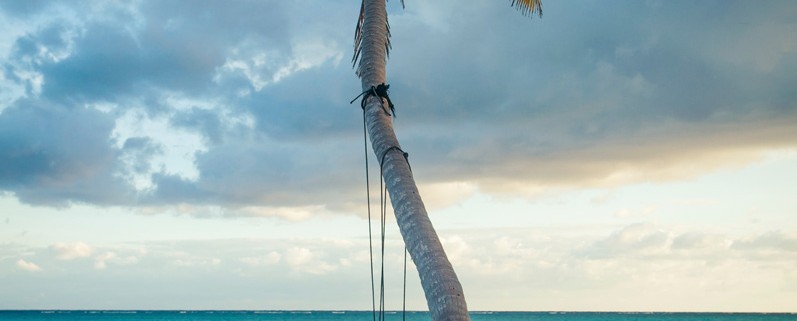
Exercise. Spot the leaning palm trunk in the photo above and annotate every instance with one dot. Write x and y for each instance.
(440, 284)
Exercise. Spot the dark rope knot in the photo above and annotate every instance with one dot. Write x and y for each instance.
(380, 91)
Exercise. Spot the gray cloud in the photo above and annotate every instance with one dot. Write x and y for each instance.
(773, 242)
(649, 241)
(601, 94)
(268, 173)
(206, 122)
(165, 45)
(52, 154)
(695, 240)
(588, 94)
(632, 241)
(22, 8)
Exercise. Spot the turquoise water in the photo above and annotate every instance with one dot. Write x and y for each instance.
(367, 316)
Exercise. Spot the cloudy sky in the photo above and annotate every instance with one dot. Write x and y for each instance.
(614, 155)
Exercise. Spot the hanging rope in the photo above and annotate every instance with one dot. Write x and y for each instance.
(381, 92)
(370, 238)
(404, 298)
(383, 218)
(383, 204)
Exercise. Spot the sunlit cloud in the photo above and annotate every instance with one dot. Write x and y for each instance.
(101, 261)
(27, 266)
(71, 251)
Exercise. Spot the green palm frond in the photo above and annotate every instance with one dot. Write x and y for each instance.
(528, 7)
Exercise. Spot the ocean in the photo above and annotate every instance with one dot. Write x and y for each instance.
(94, 315)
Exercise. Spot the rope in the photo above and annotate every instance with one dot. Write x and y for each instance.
(381, 91)
(406, 156)
(370, 237)
(383, 207)
(404, 298)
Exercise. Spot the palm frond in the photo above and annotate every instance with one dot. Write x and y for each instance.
(358, 35)
(528, 7)
(388, 46)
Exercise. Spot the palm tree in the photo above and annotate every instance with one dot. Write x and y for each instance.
(443, 291)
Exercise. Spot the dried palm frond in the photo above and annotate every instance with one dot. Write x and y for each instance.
(528, 7)
(388, 46)
(358, 35)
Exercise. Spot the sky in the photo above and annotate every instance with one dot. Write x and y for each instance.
(610, 156)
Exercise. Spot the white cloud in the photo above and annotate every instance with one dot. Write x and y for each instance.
(271, 258)
(101, 261)
(502, 264)
(445, 194)
(773, 245)
(28, 266)
(296, 213)
(456, 247)
(696, 240)
(304, 260)
(268, 67)
(633, 240)
(197, 261)
(298, 256)
(70, 251)
(310, 54)
(174, 153)
(664, 264)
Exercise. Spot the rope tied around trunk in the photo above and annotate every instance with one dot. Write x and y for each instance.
(380, 91)
(406, 156)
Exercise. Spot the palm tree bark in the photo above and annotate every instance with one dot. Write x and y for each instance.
(443, 291)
